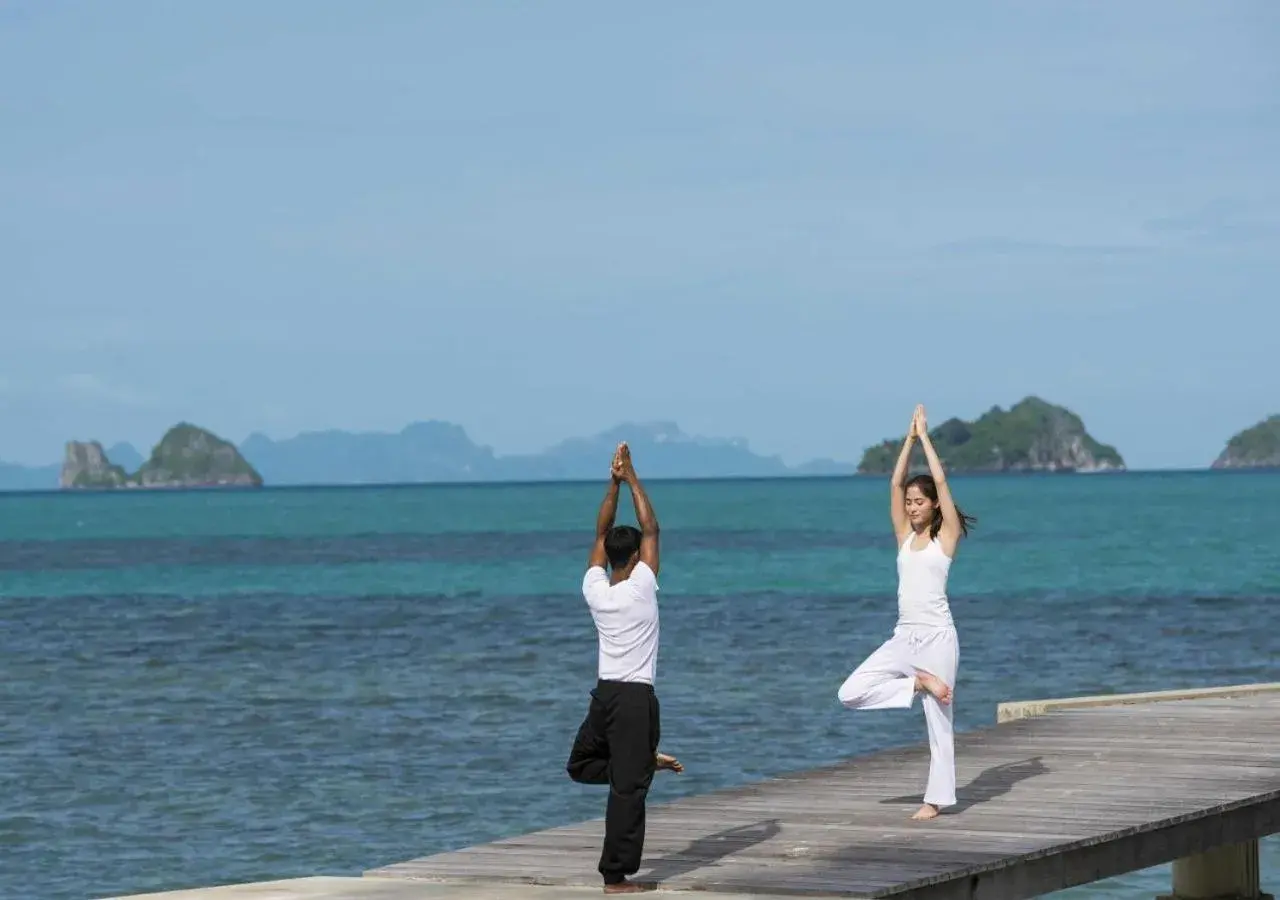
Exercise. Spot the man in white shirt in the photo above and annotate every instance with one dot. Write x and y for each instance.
(617, 743)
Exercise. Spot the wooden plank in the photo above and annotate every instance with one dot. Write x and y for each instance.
(1046, 802)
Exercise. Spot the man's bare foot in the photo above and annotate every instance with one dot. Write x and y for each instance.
(928, 811)
(629, 887)
(934, 685)
(666, 761)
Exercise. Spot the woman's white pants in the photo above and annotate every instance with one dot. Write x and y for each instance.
(886, 680)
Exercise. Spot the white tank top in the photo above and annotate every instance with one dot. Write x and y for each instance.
(922, 585)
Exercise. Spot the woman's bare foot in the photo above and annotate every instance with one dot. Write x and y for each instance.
(934, 685)
(928, 811)
(669, 762)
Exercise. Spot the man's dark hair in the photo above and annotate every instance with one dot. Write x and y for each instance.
(620, 544)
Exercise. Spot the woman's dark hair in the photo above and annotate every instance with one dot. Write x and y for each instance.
(929, 488)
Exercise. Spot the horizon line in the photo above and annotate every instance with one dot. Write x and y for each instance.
(554, 482)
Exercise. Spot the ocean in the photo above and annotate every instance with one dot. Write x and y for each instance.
(213, 687)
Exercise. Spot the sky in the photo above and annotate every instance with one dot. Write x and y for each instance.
(785, 223)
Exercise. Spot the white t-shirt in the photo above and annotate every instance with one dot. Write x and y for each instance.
(626, 617)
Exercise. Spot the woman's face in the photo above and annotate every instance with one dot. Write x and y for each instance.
(919, 507)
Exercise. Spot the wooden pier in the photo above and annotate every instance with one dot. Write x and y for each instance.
(1061, 793)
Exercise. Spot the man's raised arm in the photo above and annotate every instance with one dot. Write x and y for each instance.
(644, 513)
(604, 518)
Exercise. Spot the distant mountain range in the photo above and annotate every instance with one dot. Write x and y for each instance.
(443, 452)
(1032, 435)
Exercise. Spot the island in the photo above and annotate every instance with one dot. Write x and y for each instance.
(1033, 435)
(186, 457)
(86, 466)
(438, 452)
(1254, 448)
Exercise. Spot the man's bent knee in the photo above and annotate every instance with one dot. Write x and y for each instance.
(588, 771)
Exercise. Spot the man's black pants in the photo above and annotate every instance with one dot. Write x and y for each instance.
(617, 745)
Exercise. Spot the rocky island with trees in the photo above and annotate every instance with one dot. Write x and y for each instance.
(1031, 436)
(186, 457)
(1257, 447)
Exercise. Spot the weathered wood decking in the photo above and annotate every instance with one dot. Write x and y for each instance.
(1065, 797)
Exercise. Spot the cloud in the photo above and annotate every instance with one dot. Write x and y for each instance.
(1002, 246)
(1220, 222)
(97, 388)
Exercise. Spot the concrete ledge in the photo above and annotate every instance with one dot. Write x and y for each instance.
(1024, 709)
(338, 888)
(312, 888)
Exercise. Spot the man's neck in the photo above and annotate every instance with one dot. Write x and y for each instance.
(619, 575)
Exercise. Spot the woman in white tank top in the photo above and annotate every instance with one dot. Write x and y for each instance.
(923, 655)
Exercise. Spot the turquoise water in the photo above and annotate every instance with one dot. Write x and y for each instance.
(215, 687)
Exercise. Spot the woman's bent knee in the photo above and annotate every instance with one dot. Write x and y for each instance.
(852, 693)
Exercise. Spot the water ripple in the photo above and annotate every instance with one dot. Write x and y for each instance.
(457, 547)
